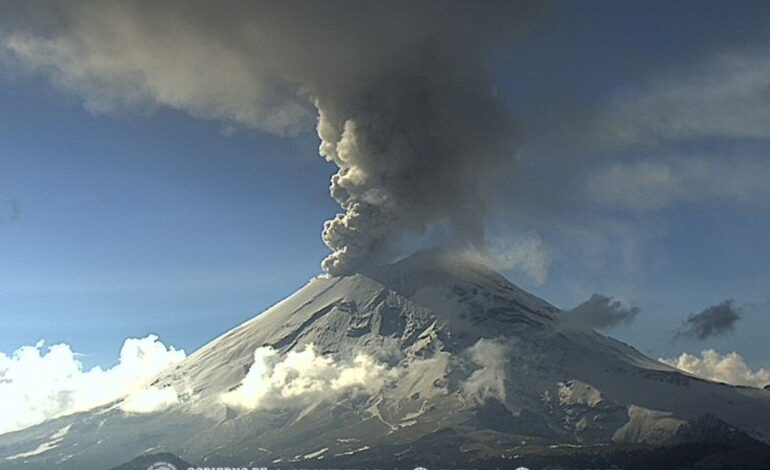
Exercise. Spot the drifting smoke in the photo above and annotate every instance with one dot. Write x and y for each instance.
(406, 106)
(716, 320)
(601, 312)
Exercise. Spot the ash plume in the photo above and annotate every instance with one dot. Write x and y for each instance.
(405, 103)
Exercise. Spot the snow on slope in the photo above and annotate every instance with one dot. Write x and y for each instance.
(454, 350)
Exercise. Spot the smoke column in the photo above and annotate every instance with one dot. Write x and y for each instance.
(404, 101)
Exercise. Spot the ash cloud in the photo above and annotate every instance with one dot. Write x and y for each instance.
(716, 320)
(405, 104)
(601, 311)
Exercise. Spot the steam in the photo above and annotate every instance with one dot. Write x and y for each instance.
(406, 106)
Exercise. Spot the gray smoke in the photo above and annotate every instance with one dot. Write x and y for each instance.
(405, 103)
(601, 312)
(713, 321)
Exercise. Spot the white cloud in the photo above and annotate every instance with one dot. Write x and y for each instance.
(656, 183)
(150, 400)
(303, 377)
(36, 385)
(728, 368)
(489, 380)
(726, 96)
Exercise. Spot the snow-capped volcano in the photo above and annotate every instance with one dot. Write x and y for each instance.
(432, 358)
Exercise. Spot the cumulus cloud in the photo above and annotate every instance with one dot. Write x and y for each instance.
(150, 399)
(39, 383)
(601, 312)
(725, 96)
(728, 368)
(303, 377)
(657, 183)
(716, 320)
(405, 105)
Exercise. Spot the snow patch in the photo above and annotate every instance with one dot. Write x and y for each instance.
(316, 454)
(351, 452)
(54, 441)
(575, 392)
(647, 426)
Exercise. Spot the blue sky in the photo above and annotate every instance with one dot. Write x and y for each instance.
(642, 175)
(137, 224)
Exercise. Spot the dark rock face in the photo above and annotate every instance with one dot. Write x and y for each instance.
(708, 429)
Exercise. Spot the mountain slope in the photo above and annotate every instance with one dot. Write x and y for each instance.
(430, 356)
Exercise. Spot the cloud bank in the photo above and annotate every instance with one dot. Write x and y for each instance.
(39, 383)
(600, 312)
(716, 320)
(728, 368)
(404, 102)
(150, 399)
(301, 378)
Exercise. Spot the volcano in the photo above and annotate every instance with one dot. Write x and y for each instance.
(433, 360)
